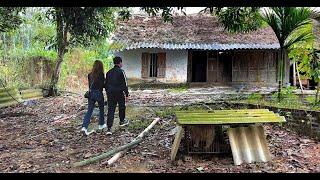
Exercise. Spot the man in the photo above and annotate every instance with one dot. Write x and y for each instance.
(117, 93)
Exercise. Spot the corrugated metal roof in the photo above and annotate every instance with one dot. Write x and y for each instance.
(197, 46)
(248, 144)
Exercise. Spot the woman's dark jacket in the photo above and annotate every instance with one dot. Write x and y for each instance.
(98, 84)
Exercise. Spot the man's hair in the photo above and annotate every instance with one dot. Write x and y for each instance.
(117, 60)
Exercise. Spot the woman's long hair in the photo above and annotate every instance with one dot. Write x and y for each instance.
(97, 69)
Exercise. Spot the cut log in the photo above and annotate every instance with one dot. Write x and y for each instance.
(141, 135)
(121, 149)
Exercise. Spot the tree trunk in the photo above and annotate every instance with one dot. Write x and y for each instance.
(280, 69)
(317, 100)
(62, 30)
(300, 84)
(294, 75)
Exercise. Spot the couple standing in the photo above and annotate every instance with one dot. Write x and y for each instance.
(115, 84)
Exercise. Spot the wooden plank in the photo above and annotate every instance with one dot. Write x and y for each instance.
(225, 111)
(244, 120)
(176, 143)
(161, 65)
(145, 63)
(193, 116)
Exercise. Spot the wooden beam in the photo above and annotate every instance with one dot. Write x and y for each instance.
(176, 143)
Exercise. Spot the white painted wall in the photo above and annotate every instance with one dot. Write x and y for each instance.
(176, 64)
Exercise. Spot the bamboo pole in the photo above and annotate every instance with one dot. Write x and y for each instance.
(118, 149)
(141, 135)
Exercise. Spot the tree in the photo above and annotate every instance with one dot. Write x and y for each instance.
(238, 19)
(76, 25)
(10, 18)
(288, 23)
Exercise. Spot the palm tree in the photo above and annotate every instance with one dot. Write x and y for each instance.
(288, 23)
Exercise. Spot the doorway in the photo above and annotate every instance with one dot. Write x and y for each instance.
(199, 66)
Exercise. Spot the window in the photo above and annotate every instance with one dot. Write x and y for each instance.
(153, 65)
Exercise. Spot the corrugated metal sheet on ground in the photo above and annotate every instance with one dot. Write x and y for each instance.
(248, 144)
(197, 46)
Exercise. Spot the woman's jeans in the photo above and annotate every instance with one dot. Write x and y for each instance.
(95, 96)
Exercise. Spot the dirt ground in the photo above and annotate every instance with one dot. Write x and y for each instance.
(44, 136)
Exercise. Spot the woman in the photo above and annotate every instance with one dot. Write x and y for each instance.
(96, 84)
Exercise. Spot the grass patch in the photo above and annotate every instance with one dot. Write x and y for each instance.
(177, 90)
(139, 125)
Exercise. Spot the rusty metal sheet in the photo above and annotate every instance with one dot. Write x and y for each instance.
(248, 144)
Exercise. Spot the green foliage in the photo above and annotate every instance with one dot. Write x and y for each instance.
(289, 24)
(166, 12)
(287, 98)
(255, 97)
(85, 24)
(138, 125)
(10, 18)
(239, 19)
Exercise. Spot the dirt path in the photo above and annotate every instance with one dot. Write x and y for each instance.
(49, 141)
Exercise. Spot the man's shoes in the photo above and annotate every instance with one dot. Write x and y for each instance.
(101, 127)
(85, 132)
(109, 131)
(124, 123)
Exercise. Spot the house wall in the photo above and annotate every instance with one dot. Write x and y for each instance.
(176, 64)
(257, 66)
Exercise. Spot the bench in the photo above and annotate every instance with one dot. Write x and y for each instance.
(246, 135)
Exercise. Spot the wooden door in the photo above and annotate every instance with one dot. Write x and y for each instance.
(161, 65)
(145, 62)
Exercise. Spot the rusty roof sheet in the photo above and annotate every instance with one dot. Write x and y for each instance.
(248, 144)
(199, 31)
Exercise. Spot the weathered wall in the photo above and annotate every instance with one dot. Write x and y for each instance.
(255, 67)
(176, 64)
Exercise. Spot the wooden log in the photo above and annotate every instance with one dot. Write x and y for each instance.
(141, 135)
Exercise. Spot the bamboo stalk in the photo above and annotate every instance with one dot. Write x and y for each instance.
(137, 140)
(106, 154)
(141, 135)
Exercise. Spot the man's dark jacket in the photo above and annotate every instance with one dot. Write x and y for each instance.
(116, 81)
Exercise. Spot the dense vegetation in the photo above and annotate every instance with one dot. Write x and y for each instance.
(55, 47)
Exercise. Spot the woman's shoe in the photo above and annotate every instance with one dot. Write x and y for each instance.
(85, 132)
(109, 131)
(125, 122)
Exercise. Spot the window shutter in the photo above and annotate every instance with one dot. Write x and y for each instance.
(145, 65)
(161, 65)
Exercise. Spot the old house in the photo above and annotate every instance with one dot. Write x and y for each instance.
(196, 49)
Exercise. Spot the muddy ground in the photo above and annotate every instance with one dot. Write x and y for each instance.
(43, 136)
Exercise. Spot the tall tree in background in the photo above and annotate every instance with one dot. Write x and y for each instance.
(9, 18)
(78, 25)
(288, 23)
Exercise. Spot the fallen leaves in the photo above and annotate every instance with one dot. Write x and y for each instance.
(51, 139)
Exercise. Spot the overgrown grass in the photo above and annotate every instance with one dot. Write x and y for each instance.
(288, 100)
